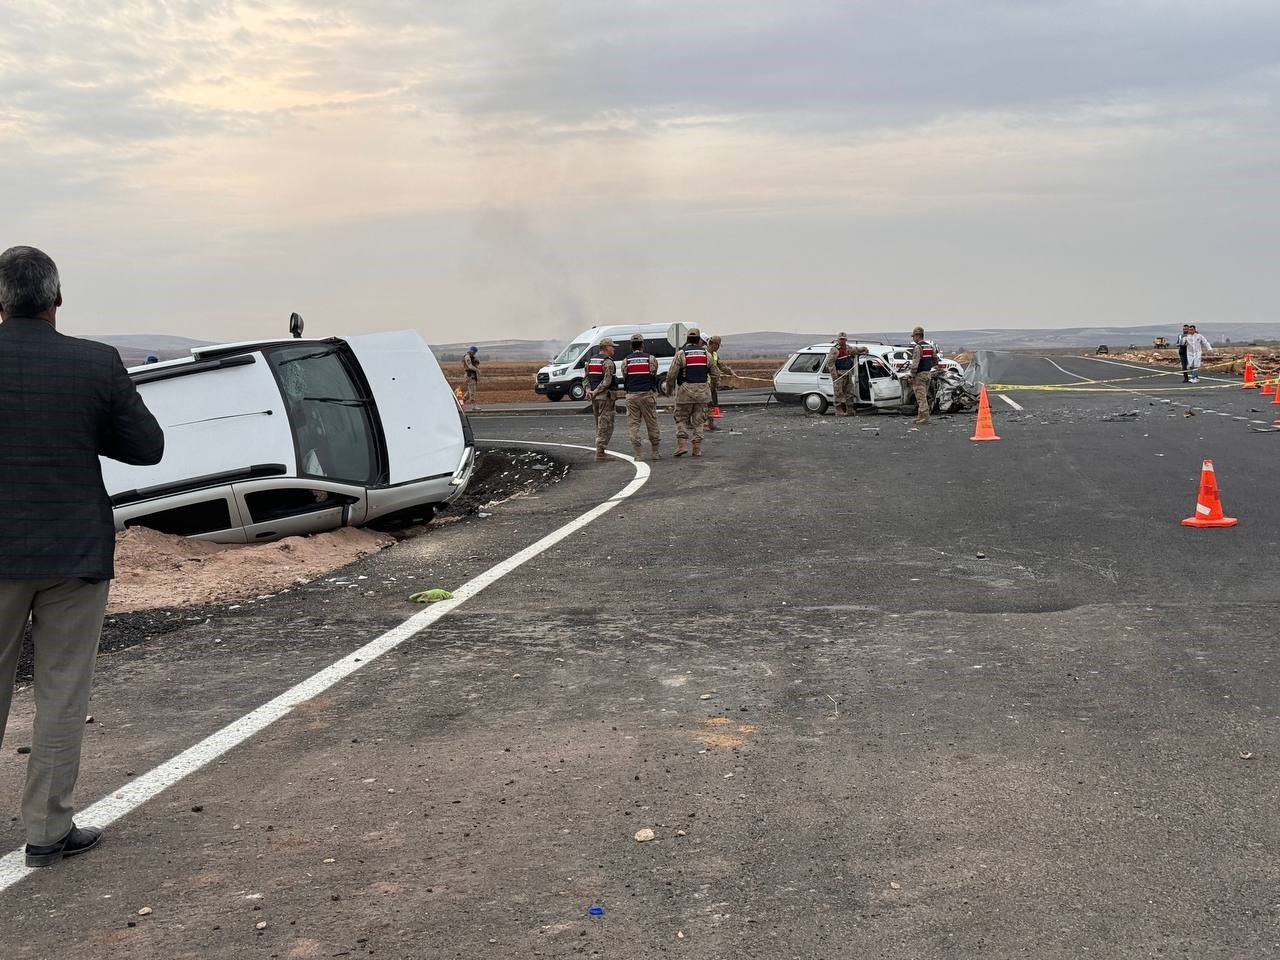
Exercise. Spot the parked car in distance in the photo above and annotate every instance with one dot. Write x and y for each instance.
(275, 438)
(1102, 349)
(565, 376)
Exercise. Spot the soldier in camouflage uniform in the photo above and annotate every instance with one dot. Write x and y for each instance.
(640, 380)
(602, 387)
(924, 361)
(471, 371)
(842, 364)
(690, 379)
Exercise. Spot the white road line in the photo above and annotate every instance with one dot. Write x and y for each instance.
(137, 792)
(1068, 372)
(1016, 406)
(1134, 366)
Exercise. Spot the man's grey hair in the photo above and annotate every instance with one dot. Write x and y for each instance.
(28, 282)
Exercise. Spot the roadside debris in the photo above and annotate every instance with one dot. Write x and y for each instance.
(434, 595)
(644, 836)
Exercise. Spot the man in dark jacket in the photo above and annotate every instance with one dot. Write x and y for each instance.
(64, 402)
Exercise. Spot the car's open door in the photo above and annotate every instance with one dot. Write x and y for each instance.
(877, 383)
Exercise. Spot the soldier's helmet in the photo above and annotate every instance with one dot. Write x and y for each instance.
(694, 334)
(607, 342)
(842, 335)
(917, 331)
(637, 339)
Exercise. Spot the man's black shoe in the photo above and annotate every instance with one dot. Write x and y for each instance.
(78, 840)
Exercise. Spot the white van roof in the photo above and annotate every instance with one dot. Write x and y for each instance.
(674, 333)
(624, 329)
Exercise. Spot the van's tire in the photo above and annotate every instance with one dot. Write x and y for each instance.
(554, 397)
(814, 403)
(577, 390)
(662, 387)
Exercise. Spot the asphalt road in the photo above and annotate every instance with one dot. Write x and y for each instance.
(879, 692)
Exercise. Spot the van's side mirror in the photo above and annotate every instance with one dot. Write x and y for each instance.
(295, 325)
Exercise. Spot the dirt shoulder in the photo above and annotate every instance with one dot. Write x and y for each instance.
(164, 583)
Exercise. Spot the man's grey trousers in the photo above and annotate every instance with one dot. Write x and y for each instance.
(66, 623)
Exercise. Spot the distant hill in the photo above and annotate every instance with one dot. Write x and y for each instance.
(502, 349)
(134, 347)
(776, 343)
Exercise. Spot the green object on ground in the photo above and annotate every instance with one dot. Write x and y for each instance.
(431, 596)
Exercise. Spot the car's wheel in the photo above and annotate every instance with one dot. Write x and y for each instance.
(578, 390)
(814, 403)
(554, 397)
(662, 387)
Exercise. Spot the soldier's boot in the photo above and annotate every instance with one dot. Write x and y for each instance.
(682, 446)
(639, 451)
(600, 454)
(697, 448)
(840, 410)
(655, 455)
(922, 418)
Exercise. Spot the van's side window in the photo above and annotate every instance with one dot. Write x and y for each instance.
(189, 521)
(273, 504)
(660, 347)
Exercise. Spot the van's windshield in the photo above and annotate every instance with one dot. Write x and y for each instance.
(332, 423)
(571, 353)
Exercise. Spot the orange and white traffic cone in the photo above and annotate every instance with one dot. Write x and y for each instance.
(1208, 505)
(986, 429)
(1276, 398)
(716, 414)
(1268, 388)
(1249, 382)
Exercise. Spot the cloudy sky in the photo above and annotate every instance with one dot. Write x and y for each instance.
(488, 169)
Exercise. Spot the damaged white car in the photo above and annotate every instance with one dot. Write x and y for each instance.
(277, 438)
(880, 382)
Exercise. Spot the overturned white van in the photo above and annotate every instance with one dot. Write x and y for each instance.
(282, 437)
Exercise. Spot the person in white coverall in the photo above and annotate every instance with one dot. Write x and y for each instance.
(1197, 346)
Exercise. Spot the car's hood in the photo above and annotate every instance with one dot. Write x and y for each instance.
(418, 410)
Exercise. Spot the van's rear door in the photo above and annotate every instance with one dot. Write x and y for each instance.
(419, 414)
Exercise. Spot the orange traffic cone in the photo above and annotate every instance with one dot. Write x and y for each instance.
(716, 414)
(1249, 382)
(986, 429)
(457, 392)
(1208, 506)
(1268, 388)
(1276, 398)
